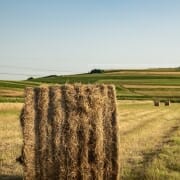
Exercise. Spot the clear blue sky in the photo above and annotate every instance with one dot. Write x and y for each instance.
(39, 37)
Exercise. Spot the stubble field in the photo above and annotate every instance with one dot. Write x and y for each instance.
(149, 140)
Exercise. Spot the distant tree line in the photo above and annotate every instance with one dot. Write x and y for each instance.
(30, 78)
(95, 71)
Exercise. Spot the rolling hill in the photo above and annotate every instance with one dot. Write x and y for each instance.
(137, 84)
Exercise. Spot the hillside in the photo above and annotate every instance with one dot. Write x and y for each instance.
(130, 84)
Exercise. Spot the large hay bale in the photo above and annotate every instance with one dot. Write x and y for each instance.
(70, 132)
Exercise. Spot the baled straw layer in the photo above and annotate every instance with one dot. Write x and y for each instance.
(70, 132)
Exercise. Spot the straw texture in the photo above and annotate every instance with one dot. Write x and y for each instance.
(70, 132)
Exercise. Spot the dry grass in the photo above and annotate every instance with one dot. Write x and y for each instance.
(8, 107)
(143, 136)
(145, 133)
(10, 140)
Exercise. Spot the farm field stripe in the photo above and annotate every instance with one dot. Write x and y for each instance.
(125, 122)
(138, 115)
(143, 123)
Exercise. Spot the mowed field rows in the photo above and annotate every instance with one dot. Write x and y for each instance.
(149, 140)
(146, 84)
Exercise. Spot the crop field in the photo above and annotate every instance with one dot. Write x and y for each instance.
(149, 140)
(146, 84)
(13, 91)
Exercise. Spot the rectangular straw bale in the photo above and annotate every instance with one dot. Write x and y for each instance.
(156, 103)
(70, 132)
(167, 102)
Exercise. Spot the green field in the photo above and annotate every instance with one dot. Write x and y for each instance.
(141, 84)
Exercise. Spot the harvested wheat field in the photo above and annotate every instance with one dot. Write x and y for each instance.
(70, 132)
(149, 141)
(10, 140)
